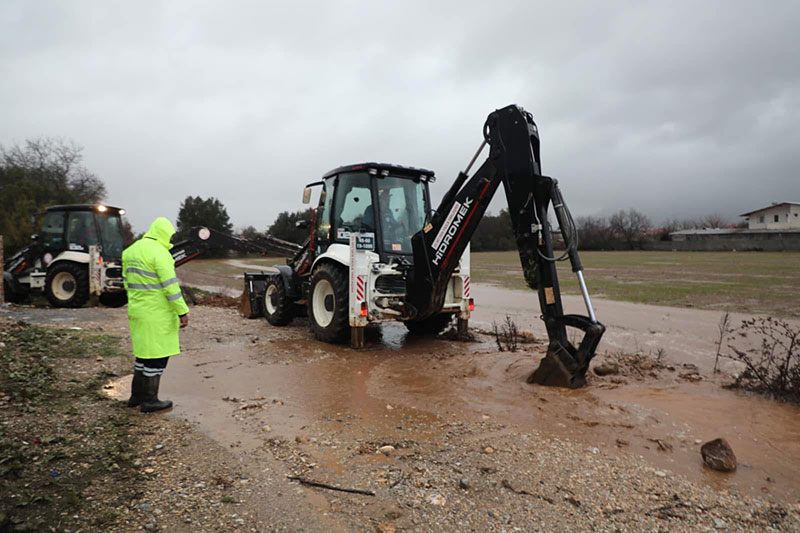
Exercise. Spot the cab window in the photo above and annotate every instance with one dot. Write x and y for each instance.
(402, 203)
(324, 211)
(52, 234)
(353, 201)
(81, 231)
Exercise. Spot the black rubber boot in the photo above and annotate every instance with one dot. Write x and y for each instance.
(136, 389)
(150, 401)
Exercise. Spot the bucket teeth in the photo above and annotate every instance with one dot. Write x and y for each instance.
(552, 372)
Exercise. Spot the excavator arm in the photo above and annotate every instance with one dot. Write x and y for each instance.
(514, 161)
(201, 238)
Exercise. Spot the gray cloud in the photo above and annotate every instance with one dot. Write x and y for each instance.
(677, 109)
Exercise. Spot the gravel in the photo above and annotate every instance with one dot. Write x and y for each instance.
(461, 473)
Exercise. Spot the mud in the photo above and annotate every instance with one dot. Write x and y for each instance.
(403, 388)
(243, 382)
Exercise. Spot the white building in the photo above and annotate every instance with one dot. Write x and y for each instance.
(778, 216)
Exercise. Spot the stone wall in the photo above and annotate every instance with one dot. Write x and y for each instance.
(739, 241)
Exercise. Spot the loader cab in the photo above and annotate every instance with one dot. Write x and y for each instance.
(388, 202)
(73, 228)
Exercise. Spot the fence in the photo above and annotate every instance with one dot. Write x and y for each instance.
(739, 241)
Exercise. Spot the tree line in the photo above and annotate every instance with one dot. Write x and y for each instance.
(38, 173)
(46, 171)
(623, 230)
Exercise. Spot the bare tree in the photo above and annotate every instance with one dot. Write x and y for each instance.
(714, 220)
(594, 233)
(631, 226)
(675, 224)
(55, 163)
(38, 173)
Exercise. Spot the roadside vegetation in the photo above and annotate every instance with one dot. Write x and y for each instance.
(66, 449)
(772, 366)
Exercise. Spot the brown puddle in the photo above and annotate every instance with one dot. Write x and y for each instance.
(764, 434)
(415, 385)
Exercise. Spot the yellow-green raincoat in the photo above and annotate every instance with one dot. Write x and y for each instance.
(154, 296)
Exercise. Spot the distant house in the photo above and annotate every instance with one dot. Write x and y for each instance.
(773, 228)
(778, 216)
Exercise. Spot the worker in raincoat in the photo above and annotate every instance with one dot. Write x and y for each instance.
(156, 311)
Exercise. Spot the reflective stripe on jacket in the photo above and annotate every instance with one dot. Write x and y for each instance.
(154, 294)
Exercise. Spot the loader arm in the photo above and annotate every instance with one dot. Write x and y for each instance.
(201, 238)
(513, 160)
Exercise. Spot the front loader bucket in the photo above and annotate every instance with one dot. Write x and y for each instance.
(563, 365)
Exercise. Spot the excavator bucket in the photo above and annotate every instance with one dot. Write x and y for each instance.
(564, 365)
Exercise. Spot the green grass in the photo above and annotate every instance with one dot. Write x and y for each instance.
(748, 282)
(62, 435)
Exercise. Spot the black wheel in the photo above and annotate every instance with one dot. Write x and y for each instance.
(15, 293)
(277, 308)
(431, 325)
(114, 299)
(327, 305)
(67, 284)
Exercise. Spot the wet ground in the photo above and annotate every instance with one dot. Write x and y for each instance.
(243, 382)
(233, 394)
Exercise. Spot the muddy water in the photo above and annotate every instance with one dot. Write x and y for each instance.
(405, 388)
(764, 435)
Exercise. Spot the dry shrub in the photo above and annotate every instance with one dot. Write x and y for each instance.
(506, 335)
(774, 367)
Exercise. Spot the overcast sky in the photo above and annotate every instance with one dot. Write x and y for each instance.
(678, 109)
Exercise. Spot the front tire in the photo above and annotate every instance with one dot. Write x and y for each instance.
(328, 304)
(277, 308)
(67, 284)
(430, 326)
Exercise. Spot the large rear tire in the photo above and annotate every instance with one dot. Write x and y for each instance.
(277, 307)
(67, 284)
(328, 302)
(431, 325)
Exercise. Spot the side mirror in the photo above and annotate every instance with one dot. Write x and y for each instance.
(307, 195)
(301, 224)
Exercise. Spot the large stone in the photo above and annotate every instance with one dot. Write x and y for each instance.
(607, 369)
(718, 455)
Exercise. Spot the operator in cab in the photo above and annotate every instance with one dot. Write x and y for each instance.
(156, 311)
(392, 229)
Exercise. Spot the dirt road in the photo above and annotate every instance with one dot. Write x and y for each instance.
(684, 335)
(472, 447)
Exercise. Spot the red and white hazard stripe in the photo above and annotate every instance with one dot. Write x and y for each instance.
(466, 286)
(360, 288)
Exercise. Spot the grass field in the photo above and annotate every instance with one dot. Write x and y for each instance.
(747, 282)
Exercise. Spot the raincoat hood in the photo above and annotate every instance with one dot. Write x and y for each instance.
(162, 231)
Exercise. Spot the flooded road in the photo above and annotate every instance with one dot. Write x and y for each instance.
(244, 382)
(403, 388)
